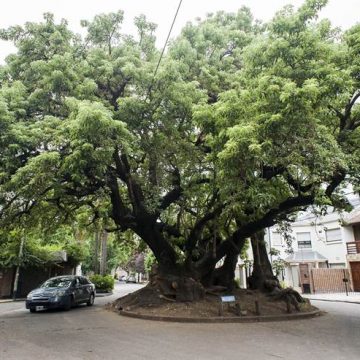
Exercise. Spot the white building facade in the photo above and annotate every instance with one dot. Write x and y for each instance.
(317, 242)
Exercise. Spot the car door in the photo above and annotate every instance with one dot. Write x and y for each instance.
(77, 291)
(85, 288)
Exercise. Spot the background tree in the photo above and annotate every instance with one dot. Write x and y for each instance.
(39, 249)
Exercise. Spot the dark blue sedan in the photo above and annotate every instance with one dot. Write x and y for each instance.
(61, 292)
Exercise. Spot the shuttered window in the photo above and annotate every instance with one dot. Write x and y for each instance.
(333, 235)
(276, 239)
(303, 240)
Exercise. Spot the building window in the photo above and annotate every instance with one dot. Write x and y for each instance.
(333, 235)
(303, 240)
(276, 239)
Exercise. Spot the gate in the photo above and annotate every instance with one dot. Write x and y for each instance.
(331, 281)
(355, 275)
(305, 278)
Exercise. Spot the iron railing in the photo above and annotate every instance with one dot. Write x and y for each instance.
(353, 247)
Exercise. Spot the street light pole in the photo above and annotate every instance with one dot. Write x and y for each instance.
(17, 273)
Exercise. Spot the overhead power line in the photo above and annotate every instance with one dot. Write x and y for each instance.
(166, 41)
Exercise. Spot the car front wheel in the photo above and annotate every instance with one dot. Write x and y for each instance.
(91, 300)
(70, 303)
(32, 310)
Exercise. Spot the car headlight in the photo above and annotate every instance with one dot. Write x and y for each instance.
(29, 297)
(60, 293)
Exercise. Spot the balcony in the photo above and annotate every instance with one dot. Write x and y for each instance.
(353, 247)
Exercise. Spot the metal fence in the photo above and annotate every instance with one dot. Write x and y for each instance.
(343, 281)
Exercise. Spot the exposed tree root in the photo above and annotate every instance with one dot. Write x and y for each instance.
(179, 288)
(288, 295)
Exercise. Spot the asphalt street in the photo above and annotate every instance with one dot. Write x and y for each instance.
(95, 333)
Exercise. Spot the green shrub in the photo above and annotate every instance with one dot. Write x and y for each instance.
(149, 261)
(103, 283)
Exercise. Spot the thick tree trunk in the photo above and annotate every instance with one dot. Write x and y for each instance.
(180, 287)
(172, 280)
(103, 252)
(262, 277)
(96, 252)
(225, 275)
(161, 248)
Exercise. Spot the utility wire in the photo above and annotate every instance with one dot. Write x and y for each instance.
(166, 41)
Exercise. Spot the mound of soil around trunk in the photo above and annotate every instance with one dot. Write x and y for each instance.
(149, 301)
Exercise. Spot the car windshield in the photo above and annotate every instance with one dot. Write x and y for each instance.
(53, 283)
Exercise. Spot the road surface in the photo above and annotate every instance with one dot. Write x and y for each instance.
(95, 333)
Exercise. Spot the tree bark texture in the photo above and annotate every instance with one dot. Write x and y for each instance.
(103, 256)
(262, 275)
(96, 252)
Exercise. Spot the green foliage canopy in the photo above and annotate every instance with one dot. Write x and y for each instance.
(244, 124)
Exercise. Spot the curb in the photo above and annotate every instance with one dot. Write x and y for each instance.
(330, 300)
(10, 300)
(103, 294)
(245, 319)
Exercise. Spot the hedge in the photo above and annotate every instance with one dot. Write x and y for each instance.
(103, 283)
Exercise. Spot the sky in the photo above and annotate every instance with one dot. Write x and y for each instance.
(343, 13)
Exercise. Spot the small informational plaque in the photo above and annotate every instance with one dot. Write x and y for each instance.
(228, 298)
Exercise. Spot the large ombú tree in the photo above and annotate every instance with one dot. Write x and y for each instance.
(242, 125)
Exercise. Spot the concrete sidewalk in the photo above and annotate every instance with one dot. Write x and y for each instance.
(353, 298)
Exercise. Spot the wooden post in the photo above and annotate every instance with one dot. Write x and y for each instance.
(221, 310)
(288, 307)
(238, 309)
(257, 307)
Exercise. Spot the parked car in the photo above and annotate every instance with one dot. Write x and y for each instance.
(131, 279)
(61, 292)
(122, 278)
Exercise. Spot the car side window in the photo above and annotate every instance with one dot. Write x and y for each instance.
(83, 281)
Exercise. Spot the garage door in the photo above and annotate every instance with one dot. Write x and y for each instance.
(355, 274)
